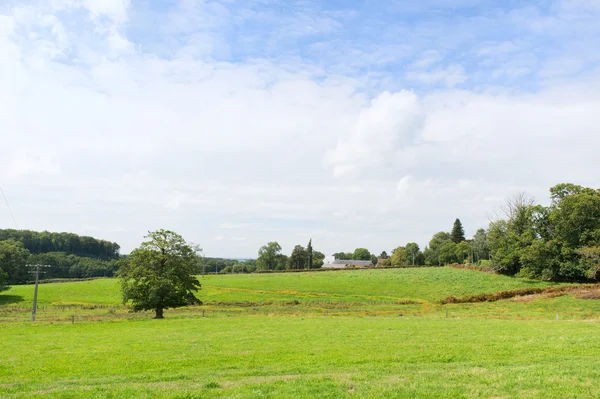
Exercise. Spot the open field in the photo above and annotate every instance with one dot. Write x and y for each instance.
(426, 284)
(362, 334)
(302, 357)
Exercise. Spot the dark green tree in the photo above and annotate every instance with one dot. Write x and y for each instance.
(13, 260)
(383, 255)
(160, 274)
(458, 233)
(318, 259)
(413, 254)
(3, 281)
(432, 252)
(309, 250)
(298, 258)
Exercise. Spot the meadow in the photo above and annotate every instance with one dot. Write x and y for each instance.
(350, 334)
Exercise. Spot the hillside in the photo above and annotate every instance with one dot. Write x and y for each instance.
(424, 284)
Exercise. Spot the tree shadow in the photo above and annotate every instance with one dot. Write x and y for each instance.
(8, 299)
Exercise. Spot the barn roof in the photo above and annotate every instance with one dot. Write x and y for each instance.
(352, 262)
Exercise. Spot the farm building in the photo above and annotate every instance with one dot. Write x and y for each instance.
(341, 264)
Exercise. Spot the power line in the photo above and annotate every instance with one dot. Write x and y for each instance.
(37, 272)
(9, 210)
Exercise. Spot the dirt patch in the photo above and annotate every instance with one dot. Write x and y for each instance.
(587, 291)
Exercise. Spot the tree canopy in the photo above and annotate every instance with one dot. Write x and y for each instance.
(554, 242)
(160, 274)
(361, 254)
(269, 256)
(69, 243)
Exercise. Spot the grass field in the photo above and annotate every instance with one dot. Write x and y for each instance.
(350, 334)
(427, 284)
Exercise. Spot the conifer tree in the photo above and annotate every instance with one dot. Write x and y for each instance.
(458, 233)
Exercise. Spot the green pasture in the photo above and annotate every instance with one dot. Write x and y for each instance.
(346, 334)
(302, 357)
(426, 284)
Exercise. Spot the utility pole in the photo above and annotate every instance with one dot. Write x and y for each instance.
(35, 292)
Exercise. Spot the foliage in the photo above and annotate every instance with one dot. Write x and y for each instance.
(13, 261)
(479, 245)
(383, 255)
(3, 281)
(548, 242)
(462, 251)
(590, 257)
(160, 274)
(298, 259)
(458, 233)
(69, 243)
(414, 256)
(309, 251)
(343, 255)
(269, 256)
(447, 252)
(398, 257)
(318, 259)
(361, 254)
(432, 252)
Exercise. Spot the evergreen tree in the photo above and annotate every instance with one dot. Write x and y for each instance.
(458, 233)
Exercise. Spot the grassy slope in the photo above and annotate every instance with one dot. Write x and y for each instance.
(429, 284)
(293, 357)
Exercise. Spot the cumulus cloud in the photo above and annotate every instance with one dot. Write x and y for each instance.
(107, 128)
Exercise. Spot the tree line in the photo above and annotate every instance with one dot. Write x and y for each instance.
(560, 241)
(67, 254)
(68, 243)
(270, 257)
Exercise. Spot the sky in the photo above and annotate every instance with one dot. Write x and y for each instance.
(235, 123)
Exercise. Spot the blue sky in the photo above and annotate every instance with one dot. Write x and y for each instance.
(356, 123)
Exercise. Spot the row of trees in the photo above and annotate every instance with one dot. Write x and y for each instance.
(69, 243)
(271, 258)
(15, 256)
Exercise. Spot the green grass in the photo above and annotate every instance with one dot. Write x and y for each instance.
(427, 284)
(295, 357)
(350, 334)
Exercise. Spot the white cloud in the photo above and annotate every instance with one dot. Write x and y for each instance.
(98, 133)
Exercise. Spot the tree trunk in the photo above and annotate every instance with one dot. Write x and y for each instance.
(159, 313)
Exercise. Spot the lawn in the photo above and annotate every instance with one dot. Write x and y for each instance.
(302, 357)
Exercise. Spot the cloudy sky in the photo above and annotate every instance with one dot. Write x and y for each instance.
(237, 122)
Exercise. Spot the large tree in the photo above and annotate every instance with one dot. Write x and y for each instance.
(318, 259)
(432, 252)
(13, 260)
(160, 274)
(414, 256)
(361, 254)
(298, 258)
(458, 233)
(269, 256)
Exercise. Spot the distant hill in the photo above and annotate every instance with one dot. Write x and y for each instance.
(68, 255)
(71, 244)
